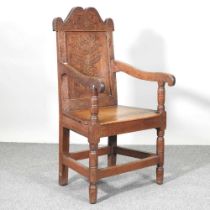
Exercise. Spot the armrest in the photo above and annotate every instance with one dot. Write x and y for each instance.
(149, 76)
(86, 81)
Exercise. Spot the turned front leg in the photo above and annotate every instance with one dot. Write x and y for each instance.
(160, 134)
(93, 143)
(160, 153)
(93, 167)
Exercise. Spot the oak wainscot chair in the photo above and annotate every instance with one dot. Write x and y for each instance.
(88, 100)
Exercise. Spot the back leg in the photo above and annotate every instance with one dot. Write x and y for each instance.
(63, 148)
(112, 156)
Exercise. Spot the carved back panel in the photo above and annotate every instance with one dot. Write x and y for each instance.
(84, 41)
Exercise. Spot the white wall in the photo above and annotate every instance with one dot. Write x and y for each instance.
(168, 36)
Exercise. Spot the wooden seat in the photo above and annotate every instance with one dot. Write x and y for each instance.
(88, 100)
(113, 114)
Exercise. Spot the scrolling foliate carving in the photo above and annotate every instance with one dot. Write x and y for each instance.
(84, 53)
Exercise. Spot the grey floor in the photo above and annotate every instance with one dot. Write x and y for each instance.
(28, 180)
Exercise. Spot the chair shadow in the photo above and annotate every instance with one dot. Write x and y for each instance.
(148, 53)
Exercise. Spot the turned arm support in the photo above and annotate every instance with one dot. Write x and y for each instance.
(86, 81)
(149, 76)
(160, 78)
(94, 106)
(161, 97)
